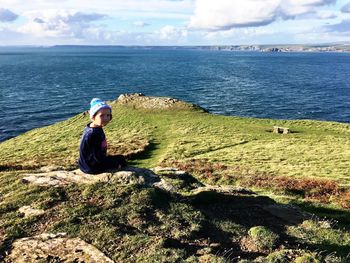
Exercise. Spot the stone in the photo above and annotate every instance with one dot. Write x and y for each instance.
(162, 184)
(28, 211)
(277, 129)
(170, 171)
(288, 213)
(129, 175)
(48, 247)
(227, 189)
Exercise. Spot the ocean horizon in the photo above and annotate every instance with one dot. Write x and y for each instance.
(44, 85)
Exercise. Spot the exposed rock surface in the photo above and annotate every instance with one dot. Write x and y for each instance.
(222, 189)
(129, 175)
(168, 171)
(288, 213)
(139, 100)
(54, 248)
(29, 211)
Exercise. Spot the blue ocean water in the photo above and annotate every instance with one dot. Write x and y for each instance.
(40, 86)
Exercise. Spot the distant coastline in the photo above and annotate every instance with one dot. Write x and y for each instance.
(336, 47)
(284, 48)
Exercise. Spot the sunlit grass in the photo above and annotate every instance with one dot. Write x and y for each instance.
(309, 168)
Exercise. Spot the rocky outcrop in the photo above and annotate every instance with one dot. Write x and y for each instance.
(54, 248)
(129, 175)
(140, 101)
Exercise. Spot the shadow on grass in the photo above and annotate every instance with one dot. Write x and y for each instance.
(343, 251)
(339, 218)
(244, 210)
(16, 167)
(207, 221)
(241, 211)
(146, 153)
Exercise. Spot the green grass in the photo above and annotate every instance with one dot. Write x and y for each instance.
(313, 149)
(155, 226)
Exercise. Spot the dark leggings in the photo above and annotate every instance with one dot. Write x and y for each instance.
(114, 162)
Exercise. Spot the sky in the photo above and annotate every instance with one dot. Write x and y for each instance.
(173, 22)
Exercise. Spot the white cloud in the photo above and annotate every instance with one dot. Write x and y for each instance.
(102, 6)
(172, 33)
(227, 14)
(140, 24)
(59, 23)
(326, 15)
(167, 22)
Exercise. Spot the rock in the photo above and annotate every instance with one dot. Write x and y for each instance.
(288, 213)
(28, 211)
(277, 129)
(169, 171)
(49, 247)
(63, 178)
(129, 175)
(162, 184)
(50, 168)
(222, 189)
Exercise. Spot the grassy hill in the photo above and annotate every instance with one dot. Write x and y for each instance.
(308, 168)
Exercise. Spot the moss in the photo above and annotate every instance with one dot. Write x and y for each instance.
(307, 258)
(263, 237)
(278, 257)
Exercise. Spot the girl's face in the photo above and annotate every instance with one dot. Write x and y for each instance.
(102, 118)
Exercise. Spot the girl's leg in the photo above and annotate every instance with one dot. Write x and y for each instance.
(115, 162)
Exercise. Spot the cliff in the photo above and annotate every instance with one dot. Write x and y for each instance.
(200, 188)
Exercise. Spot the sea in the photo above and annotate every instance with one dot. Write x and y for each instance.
(40, 86)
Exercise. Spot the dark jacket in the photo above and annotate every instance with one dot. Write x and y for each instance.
(93, 150)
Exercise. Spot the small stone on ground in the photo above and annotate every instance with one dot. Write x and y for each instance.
(29, 211)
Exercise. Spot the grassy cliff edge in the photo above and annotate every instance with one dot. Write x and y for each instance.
(308, 168)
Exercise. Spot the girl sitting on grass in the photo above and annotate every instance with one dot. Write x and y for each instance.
(93, 145)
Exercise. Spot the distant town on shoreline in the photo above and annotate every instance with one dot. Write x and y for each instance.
(283, 48)
(344, 47)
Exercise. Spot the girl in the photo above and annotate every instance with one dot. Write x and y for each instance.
(93, 145)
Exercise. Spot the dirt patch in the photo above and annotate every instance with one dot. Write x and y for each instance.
(198, 166)
(322, 190)
(344, 199)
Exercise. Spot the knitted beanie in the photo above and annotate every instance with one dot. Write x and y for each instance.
(95, 105)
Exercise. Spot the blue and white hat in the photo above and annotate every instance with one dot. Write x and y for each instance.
(96, 104)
